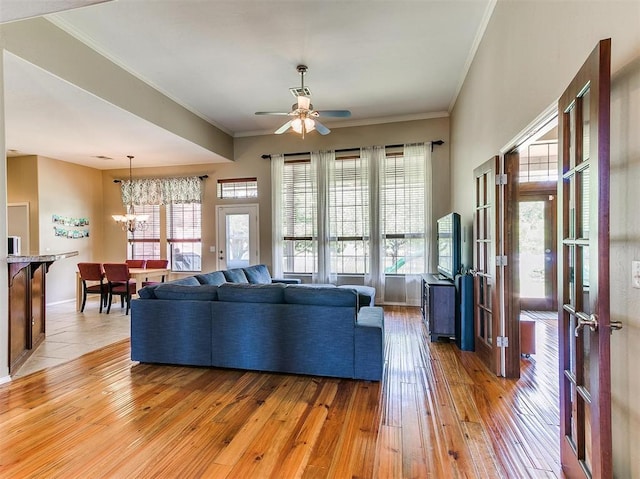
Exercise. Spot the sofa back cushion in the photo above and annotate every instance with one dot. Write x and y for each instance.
(201, 292)
(320, 295)
(186, 281)
(235, 275)
(215, 277)
(251, 293)
(149, 292)
(258, 274)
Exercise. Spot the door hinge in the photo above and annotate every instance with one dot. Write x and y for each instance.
(501, 261)
(501, 179)
(502, 341)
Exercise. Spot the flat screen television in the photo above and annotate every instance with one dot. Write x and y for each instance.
(448, 239)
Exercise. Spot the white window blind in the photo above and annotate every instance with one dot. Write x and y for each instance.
(403, 210)
(145, 244)
(184, 236)
(366, 214)
(234, 188)
(349, 216)
(298, 217)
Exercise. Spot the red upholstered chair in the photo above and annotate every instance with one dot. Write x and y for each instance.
(119, 283)
(136, 263)
(152, 264)
(93, 273)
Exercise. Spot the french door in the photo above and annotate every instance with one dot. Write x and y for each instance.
(486, 313)
(583, 263)
(237, 236)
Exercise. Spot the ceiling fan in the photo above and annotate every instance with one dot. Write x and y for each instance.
(305, 117)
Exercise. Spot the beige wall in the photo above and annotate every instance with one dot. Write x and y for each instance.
(528, 55)
(53, 187)
(22, 186)
(74, 191)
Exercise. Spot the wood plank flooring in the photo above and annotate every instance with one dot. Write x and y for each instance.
(437, 413)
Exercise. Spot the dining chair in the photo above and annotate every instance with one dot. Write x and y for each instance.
(136, 263)
(153, 264)
(120, 284)
(93, 273)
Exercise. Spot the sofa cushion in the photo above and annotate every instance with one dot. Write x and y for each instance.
(321, 295)
(235, 275)
(258, 274)
(215, 277)
(202, 292)
(186, 281)
(251, 293)
(366, 294)
(148, 292)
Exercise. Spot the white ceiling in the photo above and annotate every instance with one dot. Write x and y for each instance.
(224, 60)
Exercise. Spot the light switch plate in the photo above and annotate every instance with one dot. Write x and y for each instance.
(635, 274)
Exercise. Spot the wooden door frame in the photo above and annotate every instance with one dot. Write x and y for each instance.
(511, 322)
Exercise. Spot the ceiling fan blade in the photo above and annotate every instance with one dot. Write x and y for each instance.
(279, 113)
(323, 130)
(283, 128)
(334, 113)
(304, 102)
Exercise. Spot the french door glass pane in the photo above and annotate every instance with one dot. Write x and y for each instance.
(583, 208)
(586, 111)
(572, 344)
(585, 340)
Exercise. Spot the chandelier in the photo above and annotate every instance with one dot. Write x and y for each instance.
(130, 221)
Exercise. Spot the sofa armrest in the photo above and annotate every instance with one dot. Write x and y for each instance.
(286, 280)
(369, 343)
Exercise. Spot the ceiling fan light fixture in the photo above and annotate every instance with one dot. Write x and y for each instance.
(303, 112)
(303, 125)
(296, 125)
(309, 124)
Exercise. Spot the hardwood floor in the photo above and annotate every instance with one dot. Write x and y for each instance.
(437, 413)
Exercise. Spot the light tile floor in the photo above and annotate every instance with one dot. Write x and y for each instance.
(70, 334)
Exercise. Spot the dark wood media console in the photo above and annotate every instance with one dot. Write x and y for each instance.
(438, 306)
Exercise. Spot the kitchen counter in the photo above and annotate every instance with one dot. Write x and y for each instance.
(27, 303)
(40, 258)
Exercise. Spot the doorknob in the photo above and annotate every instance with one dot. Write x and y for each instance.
(591, 321)
(615, 326)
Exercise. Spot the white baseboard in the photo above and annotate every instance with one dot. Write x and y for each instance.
(5, 379)
(61, 302)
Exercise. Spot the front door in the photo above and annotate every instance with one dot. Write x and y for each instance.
(486, 314)
(237, 236)
(583, 263)
(537, 250)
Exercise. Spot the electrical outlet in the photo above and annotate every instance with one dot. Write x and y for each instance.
(635, 274)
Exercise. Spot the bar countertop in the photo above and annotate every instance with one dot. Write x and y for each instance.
(40, 258)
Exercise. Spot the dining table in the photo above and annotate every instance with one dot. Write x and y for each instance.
(138, 274)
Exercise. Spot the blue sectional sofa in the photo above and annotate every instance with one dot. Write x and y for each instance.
(206, 320)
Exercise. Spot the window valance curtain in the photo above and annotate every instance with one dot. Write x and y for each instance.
(161, 191)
